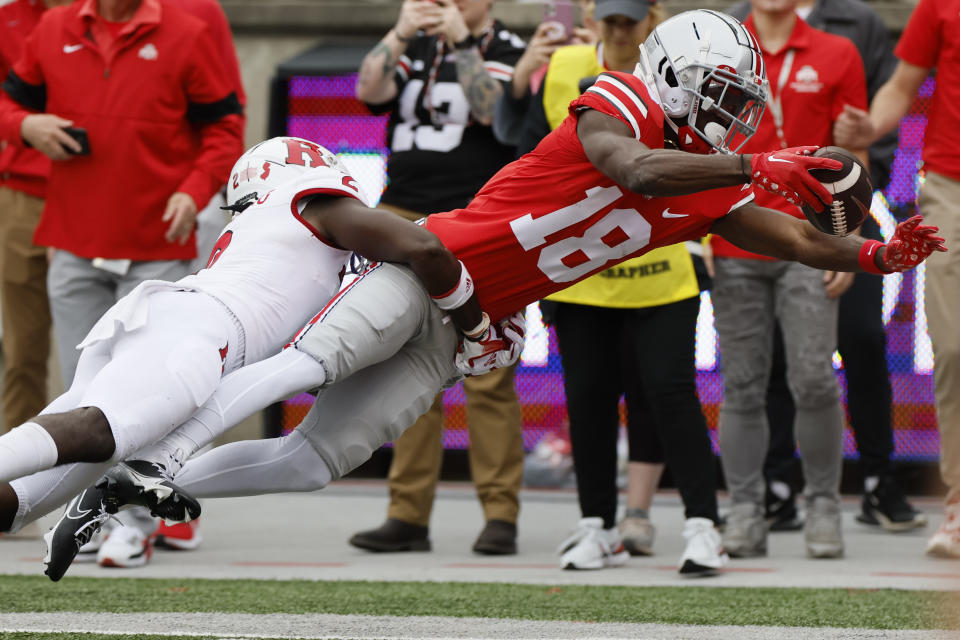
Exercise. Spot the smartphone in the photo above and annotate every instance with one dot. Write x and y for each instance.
(561, 12)
(80, 135)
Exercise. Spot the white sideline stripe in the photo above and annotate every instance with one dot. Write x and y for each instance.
(357, 627)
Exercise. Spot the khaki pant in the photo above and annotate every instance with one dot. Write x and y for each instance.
(496, 453)
(938, 202)
(26, 309)
(496, 448)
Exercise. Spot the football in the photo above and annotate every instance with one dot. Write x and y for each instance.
(852, 193)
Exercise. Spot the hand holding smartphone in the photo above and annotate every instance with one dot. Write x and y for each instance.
(561, 13)
(80, 135)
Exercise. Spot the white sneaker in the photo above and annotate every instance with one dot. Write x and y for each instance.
(126, 547)
(945, 543)
(704, 554)
(592, 547)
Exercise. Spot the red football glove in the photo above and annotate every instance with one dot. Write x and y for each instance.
(787, 173)
(912, 243)
(499, 346)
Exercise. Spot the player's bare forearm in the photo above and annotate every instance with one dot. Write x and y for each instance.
(375, 82)
(385, 237)
(611, 148)
(481, 89)
(894, 98)
(782, 236)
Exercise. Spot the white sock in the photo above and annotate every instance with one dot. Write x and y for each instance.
(25, 450)
(870, 483)
(780, 489)
(240, 394)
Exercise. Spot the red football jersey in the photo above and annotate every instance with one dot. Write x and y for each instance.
(551, 218)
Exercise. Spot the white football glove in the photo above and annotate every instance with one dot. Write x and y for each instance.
(499, 346)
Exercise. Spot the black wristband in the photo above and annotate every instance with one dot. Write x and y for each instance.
(743, 169)
(467, 43)
(396, 34)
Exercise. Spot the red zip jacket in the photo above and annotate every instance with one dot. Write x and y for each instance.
(21, 169)
(161, 116)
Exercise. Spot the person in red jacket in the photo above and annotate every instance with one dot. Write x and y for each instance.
(146, 82)
(128, 545)
(23, 287)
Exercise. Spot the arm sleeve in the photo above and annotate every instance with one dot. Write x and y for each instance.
(921, 39)
(215, 109)
(24, 91)
(223, 39)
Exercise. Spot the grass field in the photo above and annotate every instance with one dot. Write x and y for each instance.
(794, 607)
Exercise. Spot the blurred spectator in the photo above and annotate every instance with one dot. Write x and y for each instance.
(812, 75)
(929, 41)
(511, 109)
(144, 57)
(861, 337)
(23, 265)
(629, 330)
(23, 288)
(439, 72)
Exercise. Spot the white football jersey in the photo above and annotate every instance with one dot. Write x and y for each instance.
(271, 268)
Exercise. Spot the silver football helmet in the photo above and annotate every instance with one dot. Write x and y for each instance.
(709, 74)
(272, 162)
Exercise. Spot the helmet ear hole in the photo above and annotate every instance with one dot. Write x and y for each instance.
(718, 73)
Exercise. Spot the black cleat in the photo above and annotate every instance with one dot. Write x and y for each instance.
(82, 518)
(146, 483)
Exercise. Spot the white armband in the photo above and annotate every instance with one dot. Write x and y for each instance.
(458, 296)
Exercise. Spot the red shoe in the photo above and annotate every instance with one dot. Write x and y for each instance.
(183, 536)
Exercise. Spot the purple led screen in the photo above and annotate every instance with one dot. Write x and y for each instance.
(323, 109)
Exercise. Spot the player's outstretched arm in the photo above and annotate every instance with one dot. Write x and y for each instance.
(610, 146)
(382, 236)
(782, 236)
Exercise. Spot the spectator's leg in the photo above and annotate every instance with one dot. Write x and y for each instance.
(743, 303)
(588, 338)
(664, 343)
(26, 317)
(938, 202)
(862, 343)
(496, 443)
(79, 294)
(809, 321)
(417, 457)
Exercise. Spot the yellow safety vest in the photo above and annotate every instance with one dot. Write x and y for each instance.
(662, 276)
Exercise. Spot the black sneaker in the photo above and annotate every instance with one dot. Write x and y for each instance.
(393, 535)
(781, 514)
(887, 507)
(146, 483)
(82, 518)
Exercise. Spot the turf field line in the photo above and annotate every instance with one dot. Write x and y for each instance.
(357, 627)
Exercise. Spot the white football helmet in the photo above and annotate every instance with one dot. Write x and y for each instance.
(709, 74)
(272, 162)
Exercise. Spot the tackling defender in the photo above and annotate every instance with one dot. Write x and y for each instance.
(598, 190)
(160, 352)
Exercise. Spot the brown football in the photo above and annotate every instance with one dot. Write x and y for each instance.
(852, 193)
